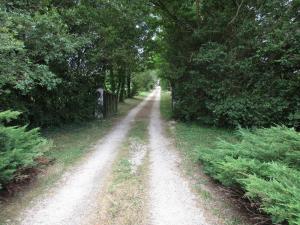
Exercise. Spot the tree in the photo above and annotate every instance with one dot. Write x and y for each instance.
(58, 53)
(238, 61)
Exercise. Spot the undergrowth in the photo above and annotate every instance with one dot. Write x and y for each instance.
(19, 149)
(265, 163)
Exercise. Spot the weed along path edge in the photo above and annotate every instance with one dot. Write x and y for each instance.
(73, 197)
(171, 201)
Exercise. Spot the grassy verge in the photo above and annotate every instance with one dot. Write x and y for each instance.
(71, 143)
(165, 105)
(261, 166)
(190, 138)
(124, 201)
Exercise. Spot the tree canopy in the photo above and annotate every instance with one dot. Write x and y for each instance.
(232, 62)
(55, 54)
(228, 63)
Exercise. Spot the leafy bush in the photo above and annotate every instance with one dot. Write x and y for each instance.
(265, 163)
(144, 81)
(52, 60)
(241, 71)
(19, 148)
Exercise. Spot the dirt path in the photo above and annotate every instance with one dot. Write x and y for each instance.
(171, 201)
(73, 198)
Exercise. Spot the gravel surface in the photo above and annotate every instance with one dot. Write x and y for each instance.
(72, 199)
(171, 201)
(138, 152)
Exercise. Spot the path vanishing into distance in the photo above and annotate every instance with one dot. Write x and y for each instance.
(73, 199)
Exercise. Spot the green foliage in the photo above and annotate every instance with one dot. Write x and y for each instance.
(166, 105)
(144, 81)
(54, 56)
(265, 164)
(19, 147)
(232, 63)
(9, 115)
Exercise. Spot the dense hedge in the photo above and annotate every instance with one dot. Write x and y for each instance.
(265, 163)
(19, 147)
(233, 63)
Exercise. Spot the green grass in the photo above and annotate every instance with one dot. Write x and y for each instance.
(191, 137)
(165, 105)
(72, 141)
(139, 130)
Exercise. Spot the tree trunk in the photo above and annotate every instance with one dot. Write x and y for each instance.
(129, 94)
(112, 79)
(122, 89)
(198, 12)
(121, 85)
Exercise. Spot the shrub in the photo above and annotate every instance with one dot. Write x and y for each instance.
(19, 147)
(265, 164)
(144, 81)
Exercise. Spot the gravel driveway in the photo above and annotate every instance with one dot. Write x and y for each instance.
(73, 199)
(171, 201)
